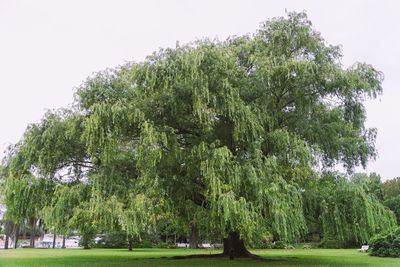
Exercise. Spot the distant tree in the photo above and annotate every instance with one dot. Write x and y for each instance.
(394, 205)
(345, 212)
(25, 196)
(391, 195)
(391, 188)
(371, 184)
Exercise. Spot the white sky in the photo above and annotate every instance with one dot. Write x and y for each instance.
(49, 47)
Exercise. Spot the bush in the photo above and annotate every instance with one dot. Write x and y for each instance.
(143, 244)
(279, 245)
(146, 244)
(386, 245)
(315, 238)
(166, 245)
(112, 240)
(87, 236)
(329, 243)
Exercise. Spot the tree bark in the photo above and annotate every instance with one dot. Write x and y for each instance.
(63, 243)
(16, 236)
(130, 244)
(8, 226)
(24, 231)
(33, 232)
(193, 236)
(234, 247)
(41, 228)
(54, 239)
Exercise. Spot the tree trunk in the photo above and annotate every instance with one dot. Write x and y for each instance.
(33, 232)
(130, 244)
(234, 247)
(24, 231)
(16, 236)
(63, 243)
(41, 228)
(8, 226)
(193, 236)
(54, 239)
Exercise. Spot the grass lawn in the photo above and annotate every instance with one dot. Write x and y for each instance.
(140, 257)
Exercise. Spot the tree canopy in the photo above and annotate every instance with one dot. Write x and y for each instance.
(232, 131)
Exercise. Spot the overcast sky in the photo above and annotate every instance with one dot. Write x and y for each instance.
(49, 47)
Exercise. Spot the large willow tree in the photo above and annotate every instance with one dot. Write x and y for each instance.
(222, 134)
(230, 130)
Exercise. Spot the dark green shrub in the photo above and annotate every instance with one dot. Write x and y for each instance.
(279, 245)
(112, 240)
(329, 243)
(161, 244)
(385, 245)
(315, 238)
(143, 244)
(136, 244)
(146, 244)
(87, 237)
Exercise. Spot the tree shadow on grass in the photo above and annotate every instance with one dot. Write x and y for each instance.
(214, 256)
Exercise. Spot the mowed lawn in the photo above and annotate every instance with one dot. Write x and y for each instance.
(141, 257)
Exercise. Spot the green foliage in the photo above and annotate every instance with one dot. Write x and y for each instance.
(87, 235)
(329, 243)
(394, 205)
(59, 211)
(391, 188)
(166, 245)
(344, 212)
(24, 195)
(391, 195)
(142, 244)
(55, 144)
(112, 240)
(371, 184)
(82, 220)
(279, 245)
(230, 128)
(225, 135)
(386, 245)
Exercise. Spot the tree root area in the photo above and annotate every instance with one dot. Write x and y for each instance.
(221, 255)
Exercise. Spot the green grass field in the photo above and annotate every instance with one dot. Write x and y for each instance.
(140, 257)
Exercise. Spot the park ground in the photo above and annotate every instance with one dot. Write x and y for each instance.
(150, 257)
